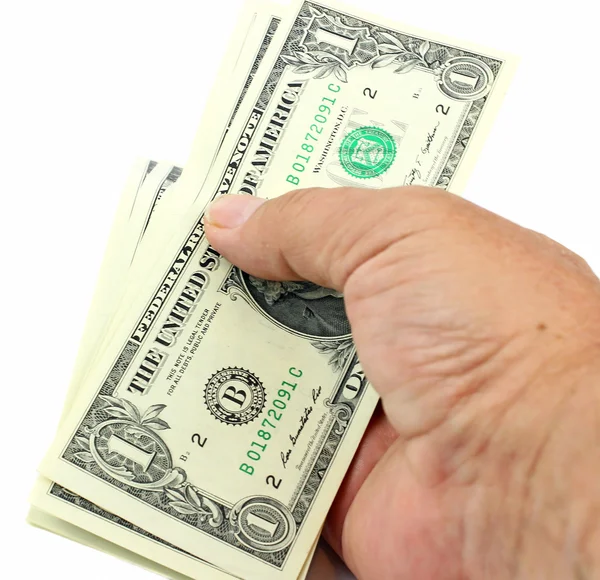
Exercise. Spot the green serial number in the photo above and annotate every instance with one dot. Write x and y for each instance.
(275, 413)
(312, 135)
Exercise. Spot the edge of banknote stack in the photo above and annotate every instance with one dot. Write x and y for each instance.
(212, 416)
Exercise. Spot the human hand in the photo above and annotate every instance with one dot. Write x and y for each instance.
(483, 340)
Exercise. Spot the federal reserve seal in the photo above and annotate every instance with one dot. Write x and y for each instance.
(234, 396)
(367, 152)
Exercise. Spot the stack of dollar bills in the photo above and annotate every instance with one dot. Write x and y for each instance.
(211, 415)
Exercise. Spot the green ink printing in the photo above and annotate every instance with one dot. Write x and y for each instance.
(367, 152)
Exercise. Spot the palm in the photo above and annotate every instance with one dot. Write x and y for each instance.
(396, 527)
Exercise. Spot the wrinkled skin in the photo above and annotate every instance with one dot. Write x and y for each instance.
(482, 339)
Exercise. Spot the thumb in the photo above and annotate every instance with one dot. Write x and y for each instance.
(321, 235)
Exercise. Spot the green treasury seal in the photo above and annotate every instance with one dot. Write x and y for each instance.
(367, 152)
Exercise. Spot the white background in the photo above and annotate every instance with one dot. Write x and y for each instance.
(85, 87)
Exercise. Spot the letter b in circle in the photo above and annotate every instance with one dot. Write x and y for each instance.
(234, 396)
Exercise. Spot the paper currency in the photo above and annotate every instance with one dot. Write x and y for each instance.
(137, 210)
(66, 513)
(223, 410)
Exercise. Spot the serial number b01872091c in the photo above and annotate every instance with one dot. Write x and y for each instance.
(269, 424)
(312, 135)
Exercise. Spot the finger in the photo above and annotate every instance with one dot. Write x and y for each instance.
(378, 438)
(321, 235)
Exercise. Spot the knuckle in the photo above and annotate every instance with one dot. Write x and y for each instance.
(290, 204)
(319, 201)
